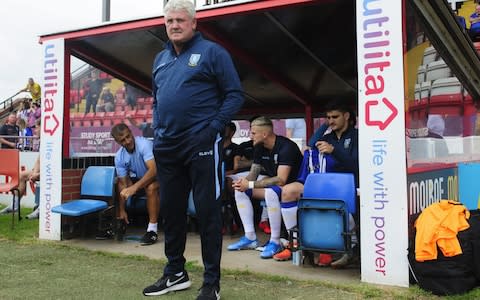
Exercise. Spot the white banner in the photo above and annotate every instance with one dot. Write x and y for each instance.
(51, 138)
(207, 4)
(383, 183)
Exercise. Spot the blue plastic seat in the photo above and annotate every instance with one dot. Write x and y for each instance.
(323, 212)
(97, 188)
(80, 207)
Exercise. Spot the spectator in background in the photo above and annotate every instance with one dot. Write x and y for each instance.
(475, 23)
(10, 131)
(34, 114)
(296, 129)
(24, 142)
(94, 88)
(436, 125)
(24, 110)
(34, 89)
(132, 94)
(108, 101)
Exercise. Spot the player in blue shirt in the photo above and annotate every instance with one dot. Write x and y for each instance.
(280, 159)
(137, 171)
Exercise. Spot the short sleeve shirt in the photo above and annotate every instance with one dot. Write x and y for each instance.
(284, 152)
(11, 130)
(298, 127)
(134, 164)
(35, 91)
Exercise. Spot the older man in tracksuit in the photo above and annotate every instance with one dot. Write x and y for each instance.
(196, 92)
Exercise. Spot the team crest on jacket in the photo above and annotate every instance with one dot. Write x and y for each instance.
(346, 143)
(193, 61)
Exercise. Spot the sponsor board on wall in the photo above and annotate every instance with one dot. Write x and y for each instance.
(426, 188)
(51, 138)
(383, 192)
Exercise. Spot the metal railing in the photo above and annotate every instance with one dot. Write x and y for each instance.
(24, 143)
(7, 103)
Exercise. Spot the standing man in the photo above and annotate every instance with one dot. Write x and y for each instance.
(11, 130)
(95, 86)
(34, 89)
(296, 129)
(280, 158)
(196, 92)
(136, 171)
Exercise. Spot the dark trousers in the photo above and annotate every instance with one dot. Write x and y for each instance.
(182, 166)
(91, 102)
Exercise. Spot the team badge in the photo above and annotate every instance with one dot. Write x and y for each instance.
(346, 143)
(275, 158)
(193, 61)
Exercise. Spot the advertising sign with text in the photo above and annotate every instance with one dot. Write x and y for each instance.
(383, 192)
(51, 138)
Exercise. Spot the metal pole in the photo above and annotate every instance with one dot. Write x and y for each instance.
(105, 10)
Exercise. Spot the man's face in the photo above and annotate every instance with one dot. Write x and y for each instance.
(126, 140)
(337, 120)
(477, 9)
(258, 134)
(180, 26)
(12, 119)
(30, 81)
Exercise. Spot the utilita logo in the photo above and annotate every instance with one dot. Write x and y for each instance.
(382, 123)
(377, 60)
(50, 121)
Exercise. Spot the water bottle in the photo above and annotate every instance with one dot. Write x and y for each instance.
(296, 253)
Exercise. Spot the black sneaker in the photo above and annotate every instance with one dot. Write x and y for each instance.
(104, 235)
(149, 238)
(167, 284)
(209, 292)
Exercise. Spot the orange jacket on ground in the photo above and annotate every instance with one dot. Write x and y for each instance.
(439, 224)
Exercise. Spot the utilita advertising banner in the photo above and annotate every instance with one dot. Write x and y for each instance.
(51, 139)
(383, 185)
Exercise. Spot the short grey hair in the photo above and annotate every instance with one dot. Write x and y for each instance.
(176, 5)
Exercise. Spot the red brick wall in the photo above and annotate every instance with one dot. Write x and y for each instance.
(71, 180)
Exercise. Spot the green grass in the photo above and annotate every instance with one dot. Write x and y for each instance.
(35, 269)
(23, 230)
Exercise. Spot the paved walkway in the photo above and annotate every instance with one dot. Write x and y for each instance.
(246, 260)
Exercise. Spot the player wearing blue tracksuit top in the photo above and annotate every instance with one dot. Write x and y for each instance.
(196, 92)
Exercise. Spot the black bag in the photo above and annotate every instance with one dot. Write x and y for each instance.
(450, 275)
